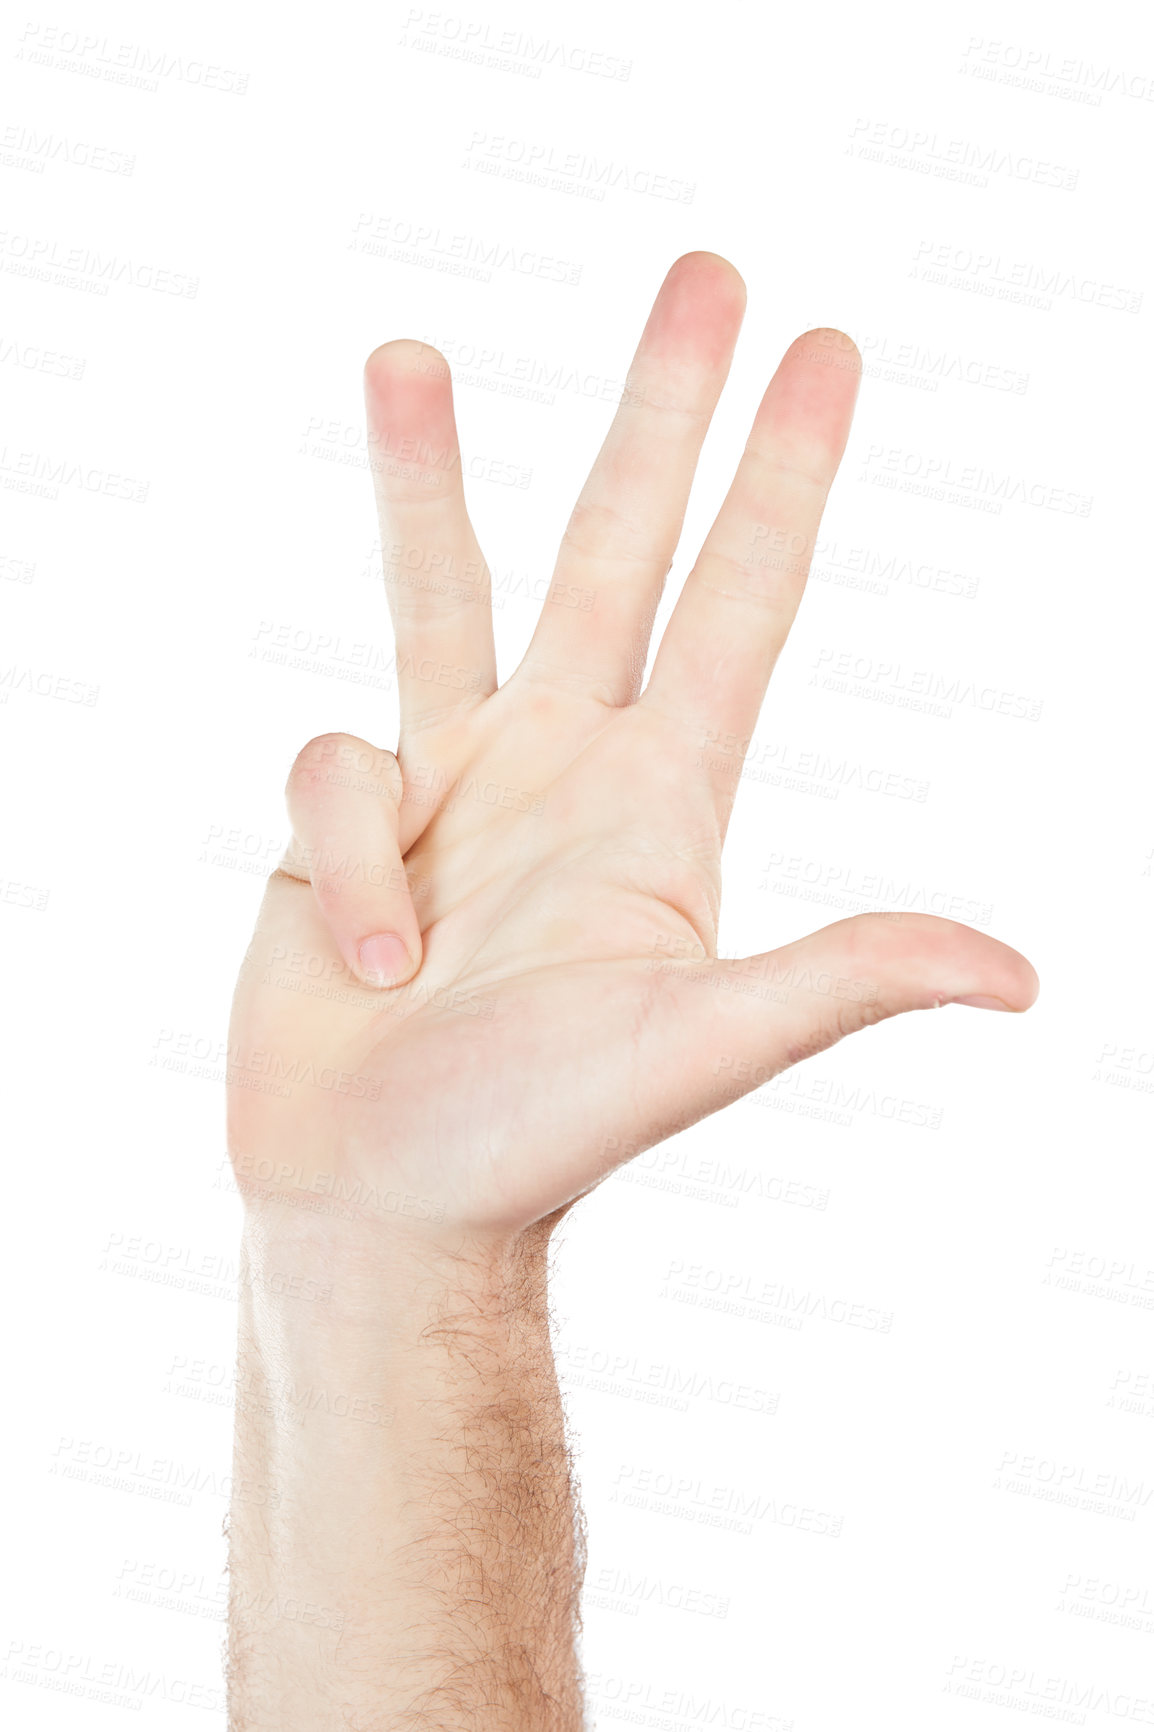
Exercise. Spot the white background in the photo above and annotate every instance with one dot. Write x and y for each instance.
(188, 303)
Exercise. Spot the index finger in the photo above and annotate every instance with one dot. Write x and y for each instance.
(739, 601)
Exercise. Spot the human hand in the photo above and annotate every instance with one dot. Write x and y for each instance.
(537, 870)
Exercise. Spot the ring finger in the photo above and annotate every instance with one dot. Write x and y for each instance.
(436, 577)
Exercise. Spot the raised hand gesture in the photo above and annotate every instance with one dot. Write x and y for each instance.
(486, 972)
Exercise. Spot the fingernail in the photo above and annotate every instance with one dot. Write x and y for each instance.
(980, 1003)
(383, 959)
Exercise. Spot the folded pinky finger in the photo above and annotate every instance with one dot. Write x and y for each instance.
(344, 797)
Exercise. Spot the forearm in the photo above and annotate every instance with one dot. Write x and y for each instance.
(404, 1542)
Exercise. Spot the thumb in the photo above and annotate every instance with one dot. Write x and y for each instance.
(772, 1011)
(344, 800)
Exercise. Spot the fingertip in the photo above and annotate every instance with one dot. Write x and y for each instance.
(1008, 980)
(1030, 985)
(401, 356)
(829, 346)
(712, 267)
(696, 317)
(384, 960)
(1017, 983)
(808, 405)
(408, 388)
(932, 961)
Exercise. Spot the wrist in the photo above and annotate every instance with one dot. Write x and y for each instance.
(301, 1199)
(303, 1185)
(330, 1272)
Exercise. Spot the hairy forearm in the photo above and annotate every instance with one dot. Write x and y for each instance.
(405, 1545)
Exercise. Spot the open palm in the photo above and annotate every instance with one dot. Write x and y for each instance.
(486, 972)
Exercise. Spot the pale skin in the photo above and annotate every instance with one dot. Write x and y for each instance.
(485, 974)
